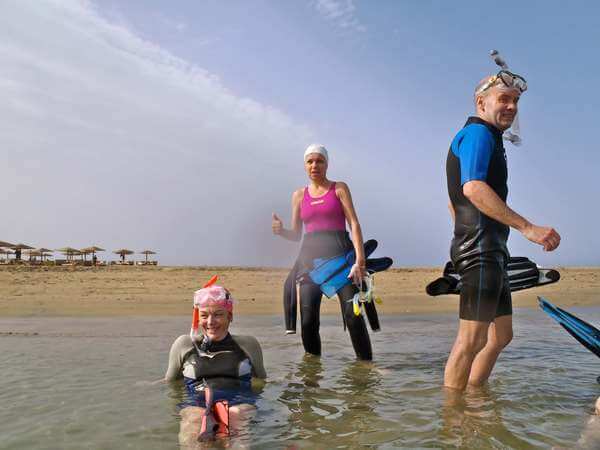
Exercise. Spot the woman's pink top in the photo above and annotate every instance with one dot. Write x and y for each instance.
(323, 213)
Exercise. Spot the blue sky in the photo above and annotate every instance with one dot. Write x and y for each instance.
(180, 126)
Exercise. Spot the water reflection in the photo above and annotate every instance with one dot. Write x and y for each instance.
(540, 395)
(339, 408)
(473, 419)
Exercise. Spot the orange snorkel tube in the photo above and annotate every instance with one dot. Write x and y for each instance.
(196, 313)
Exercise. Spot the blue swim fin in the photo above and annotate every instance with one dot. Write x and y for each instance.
(586, 334)
(340, 279)
(336, 282)
(326, 268)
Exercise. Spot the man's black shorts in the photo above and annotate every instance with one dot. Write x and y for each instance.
(485, 291)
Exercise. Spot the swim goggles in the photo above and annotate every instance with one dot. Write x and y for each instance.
(509, 79)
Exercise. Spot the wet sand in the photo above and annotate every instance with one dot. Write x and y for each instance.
(158, 291)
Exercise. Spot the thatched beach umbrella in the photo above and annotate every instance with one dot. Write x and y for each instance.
(33, 254)
(21, 247)
(6, 244)
(122, 252)
(7, 252)
(93, 249)
(18, 247)
(69, 252)
(147, 252)
(44, 252)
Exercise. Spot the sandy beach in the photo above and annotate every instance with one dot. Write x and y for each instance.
(152, 291)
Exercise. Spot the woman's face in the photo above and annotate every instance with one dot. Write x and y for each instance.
(214, 322)
(316, 166)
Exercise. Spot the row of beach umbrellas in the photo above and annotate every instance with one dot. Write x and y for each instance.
(7, 249)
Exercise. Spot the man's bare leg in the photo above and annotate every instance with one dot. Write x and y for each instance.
(500, 334)
(471, 339)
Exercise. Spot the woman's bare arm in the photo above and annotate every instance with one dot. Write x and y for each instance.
(343, 193)
(294, 233)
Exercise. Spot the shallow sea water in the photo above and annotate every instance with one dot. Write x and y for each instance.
(82, 384)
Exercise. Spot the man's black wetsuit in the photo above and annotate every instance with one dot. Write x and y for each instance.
(478, 251)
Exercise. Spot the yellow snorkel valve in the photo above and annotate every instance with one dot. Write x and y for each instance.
(364, 296)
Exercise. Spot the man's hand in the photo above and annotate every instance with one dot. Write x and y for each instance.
(276, 224)
(547, 237)
(487, 201)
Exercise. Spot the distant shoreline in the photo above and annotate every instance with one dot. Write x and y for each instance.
(110, 291)
(10, 267)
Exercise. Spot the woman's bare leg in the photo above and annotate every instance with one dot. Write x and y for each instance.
(190, 425)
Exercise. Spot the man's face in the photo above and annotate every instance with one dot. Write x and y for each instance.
(214, 322)
(498, 106)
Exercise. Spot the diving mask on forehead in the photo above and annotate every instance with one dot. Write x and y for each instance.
(508, 79)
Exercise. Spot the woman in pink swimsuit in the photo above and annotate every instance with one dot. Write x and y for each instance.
(323, 208)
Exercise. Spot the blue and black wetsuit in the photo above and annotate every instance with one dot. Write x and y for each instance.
(479, 251)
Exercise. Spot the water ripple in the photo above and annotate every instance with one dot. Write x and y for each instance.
(84, 384)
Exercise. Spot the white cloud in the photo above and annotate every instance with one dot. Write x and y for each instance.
(340, 12)
(109, 139)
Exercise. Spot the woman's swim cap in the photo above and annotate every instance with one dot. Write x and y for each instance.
(213, 295)
(316, 148)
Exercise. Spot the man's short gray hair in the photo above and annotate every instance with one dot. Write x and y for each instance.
(480, 86)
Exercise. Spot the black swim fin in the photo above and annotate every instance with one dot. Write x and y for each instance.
(522, 274)
(372, 316)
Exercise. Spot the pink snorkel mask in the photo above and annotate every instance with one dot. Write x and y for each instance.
(209, 295)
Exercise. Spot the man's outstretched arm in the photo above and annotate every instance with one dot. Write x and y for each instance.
(487, 201)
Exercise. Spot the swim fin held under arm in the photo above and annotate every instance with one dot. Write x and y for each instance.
(522, 274)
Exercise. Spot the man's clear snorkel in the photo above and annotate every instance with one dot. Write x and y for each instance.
(509, 80)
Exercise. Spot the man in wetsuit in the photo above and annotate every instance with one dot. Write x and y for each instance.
(477, 185)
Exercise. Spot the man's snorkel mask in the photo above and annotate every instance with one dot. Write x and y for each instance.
(511, 81)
